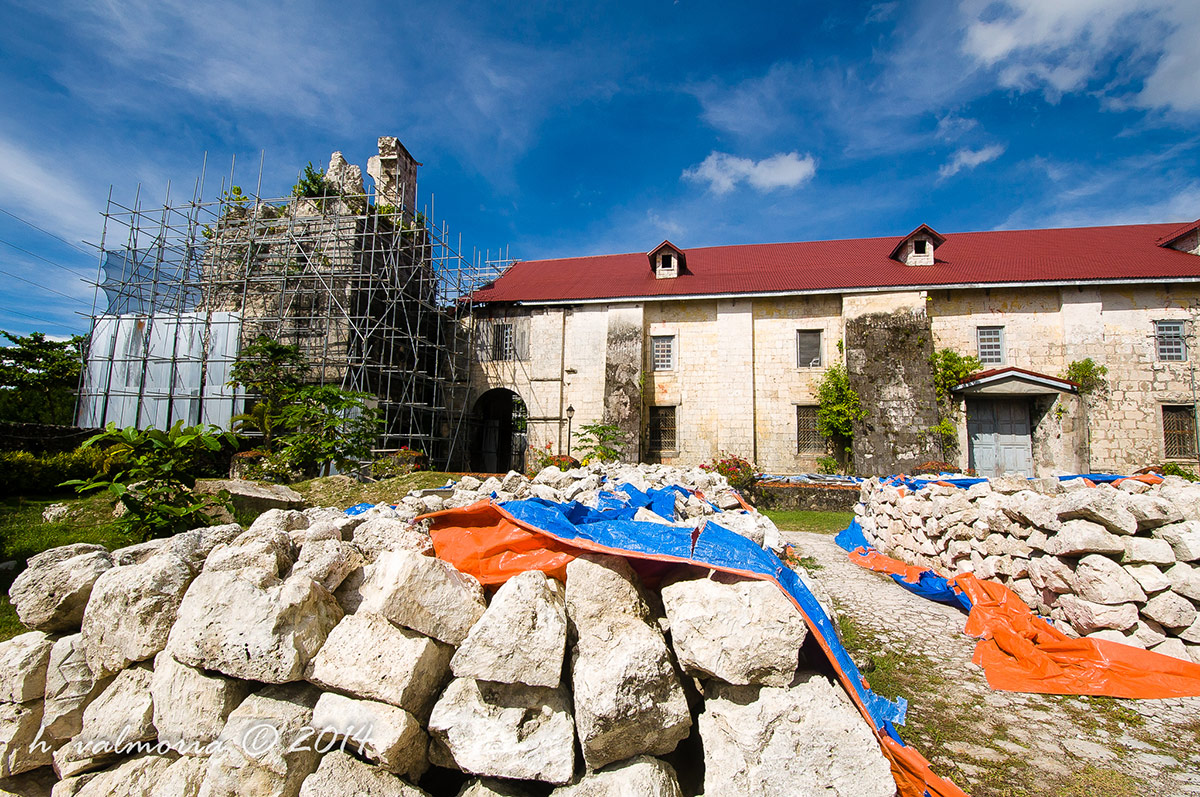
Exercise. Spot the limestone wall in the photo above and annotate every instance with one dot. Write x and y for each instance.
(1119, 563)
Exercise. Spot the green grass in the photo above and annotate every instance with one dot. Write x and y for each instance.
(23, 534)
(804, 520)
(344, 492)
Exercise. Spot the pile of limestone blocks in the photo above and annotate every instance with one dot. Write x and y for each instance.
(320, 654)
(1114, 562)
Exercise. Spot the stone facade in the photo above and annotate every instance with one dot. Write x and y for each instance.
(729, 369)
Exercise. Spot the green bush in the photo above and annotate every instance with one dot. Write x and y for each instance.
(1171, 469)
(399, 463)
(740, 473)
(22, 473)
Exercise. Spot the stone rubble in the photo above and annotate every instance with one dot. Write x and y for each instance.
(1103, 561)
(315, 653)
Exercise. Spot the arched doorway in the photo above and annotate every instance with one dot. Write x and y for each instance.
(500, 438)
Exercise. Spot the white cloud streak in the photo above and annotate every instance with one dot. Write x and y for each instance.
(969, 158)
(50, 198)
(723, 172)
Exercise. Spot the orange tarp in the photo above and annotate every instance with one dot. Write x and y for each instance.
(1021, 652)
(490, 544)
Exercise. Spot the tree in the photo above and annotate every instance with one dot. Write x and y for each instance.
(271, 371)
(38, 378)
(838, 409)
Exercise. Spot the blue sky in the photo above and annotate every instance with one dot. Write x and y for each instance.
(582, 128)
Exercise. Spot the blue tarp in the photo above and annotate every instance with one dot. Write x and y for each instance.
(710, 546)
(929, 584)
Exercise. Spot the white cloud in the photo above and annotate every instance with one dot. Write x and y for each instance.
(723, 171)
(46, 196)
(970, 158)
(950, 127)
(1144, 50)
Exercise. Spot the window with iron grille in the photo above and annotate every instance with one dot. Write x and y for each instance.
(503, 343)
(1168, 338)
(662, 352)
(1179, 431)
(808, 348)
(661, 433)
(990, 345)
(808, 439)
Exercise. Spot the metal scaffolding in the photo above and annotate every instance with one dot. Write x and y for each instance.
(373, 291)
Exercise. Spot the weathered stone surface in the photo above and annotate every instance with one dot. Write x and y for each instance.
(194, 546)
(628, 699)
(807, 739)
(1144, 550)
(265, 748)
(1052, 573)
(522, 636)
(1149, 578)
(1101, 580)
(251, 497)
(328, 562)
(642, 776)
(229, 624)
(425, 594)
(368, 657)
(1077, 537)
(506, 730)
(1152, 511)
(1028, 508)
(191, 706)
(139, 776)
(267, 552)
(391, 534)
(19, 723)
(183, 778)
(37, 783)
(1102, 505)
(1087, 616)
(737, 630)
(70, 686)
(1191, 634)
(1185, 579)
(52, 591)
(1170, 611)
(384, 734)
(340, 774)
(486, 787)
(121, 715)
(131, 611)
(23, 661)
(1148, 633)
(280, 520)
(1184, 539)
(1174, 648)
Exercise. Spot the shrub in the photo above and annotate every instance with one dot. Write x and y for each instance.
(1088, 375)
(147, 472)
(1171, 469)
(399, 463)
(740, 473)
(600, 442)
(23, 473)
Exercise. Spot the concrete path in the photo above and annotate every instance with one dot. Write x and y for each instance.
(1000, 743)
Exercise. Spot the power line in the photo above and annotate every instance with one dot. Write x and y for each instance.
(36, 318)
(43, 287)
(47, 232)
(51, 262)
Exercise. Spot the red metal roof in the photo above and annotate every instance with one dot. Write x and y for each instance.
(1076, 254)
(1009, 372)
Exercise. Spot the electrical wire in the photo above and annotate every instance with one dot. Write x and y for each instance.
(79, 274)
(36, 318)
(43, 287)
(47, 232)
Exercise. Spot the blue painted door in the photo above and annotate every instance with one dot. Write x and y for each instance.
(999, 439)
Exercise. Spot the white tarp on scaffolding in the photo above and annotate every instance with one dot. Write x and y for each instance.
(153, 370)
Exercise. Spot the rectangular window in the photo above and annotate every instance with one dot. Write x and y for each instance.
(990, 343)
(1179, 432)
(661, 433)
(662, 352)
(919, 246)
(808, 439)
(808, 348)
(1168, 337)
(503, 343)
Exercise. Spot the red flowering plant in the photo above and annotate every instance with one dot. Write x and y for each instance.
(543, 458)
(740, 473)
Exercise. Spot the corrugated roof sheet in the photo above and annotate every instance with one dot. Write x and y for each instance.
(1083, 253)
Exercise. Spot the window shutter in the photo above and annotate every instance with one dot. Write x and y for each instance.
(808, 349)
(521, 339)
(483, 341)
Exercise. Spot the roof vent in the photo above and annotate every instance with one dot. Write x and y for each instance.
(916, 248)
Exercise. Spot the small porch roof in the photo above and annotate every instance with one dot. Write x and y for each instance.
(1013, 382)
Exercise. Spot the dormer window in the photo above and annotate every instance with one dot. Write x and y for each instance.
(666, 260)
(916, 248)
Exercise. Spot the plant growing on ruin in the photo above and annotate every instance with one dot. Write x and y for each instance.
(311, 184)
(600, 442)
(149, 476)
(1088, 375)
(838, 408)
(949, 368)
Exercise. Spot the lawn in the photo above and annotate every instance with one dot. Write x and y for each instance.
(804, 520)
(23, 534)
